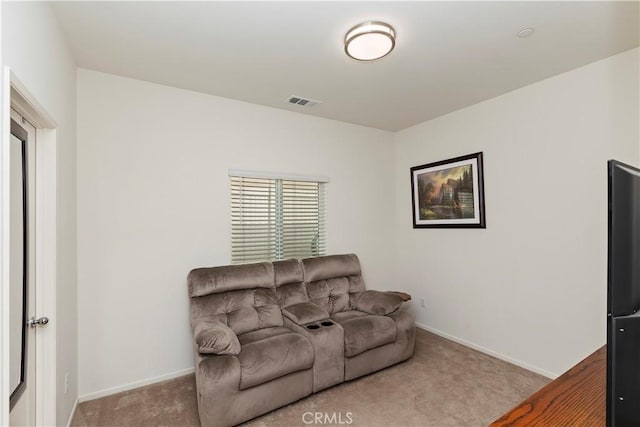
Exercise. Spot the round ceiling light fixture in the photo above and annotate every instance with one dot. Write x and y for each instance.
(369, 41)
(525, 32)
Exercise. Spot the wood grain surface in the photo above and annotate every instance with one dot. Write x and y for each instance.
(576, 398)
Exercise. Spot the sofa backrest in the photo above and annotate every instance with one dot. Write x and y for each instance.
(241, 296)
(333, 281)
(289, 281)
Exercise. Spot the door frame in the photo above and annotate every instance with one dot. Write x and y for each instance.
(16, 95)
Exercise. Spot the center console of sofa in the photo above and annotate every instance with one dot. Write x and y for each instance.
(268, 334)
(311, 321)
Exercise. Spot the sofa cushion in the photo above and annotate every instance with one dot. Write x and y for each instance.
(243, 310)
(214, 280)
(330, 267)
(332, 294)
(274, 357)
(261, 334)
(289, 282)
(291, 293)
(214, 337)
(334, 281)
(305, 312)
(287, 271)
(366, 332)
(347, 315)
(376, 302)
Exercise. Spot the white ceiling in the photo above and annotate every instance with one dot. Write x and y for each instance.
(448, 55)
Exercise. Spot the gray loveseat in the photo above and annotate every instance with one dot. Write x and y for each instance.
(271, 333)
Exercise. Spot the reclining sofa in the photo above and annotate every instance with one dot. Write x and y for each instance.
(268, 334)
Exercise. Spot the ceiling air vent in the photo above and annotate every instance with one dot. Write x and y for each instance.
(303, 102)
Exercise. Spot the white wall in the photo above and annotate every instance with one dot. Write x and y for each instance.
(532, 286)
(153, 203)
(34, 47)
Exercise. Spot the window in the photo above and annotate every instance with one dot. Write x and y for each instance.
(276, 218)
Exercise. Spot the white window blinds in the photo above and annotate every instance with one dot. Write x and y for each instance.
(274, 219)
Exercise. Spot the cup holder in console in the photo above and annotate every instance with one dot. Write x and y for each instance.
(316, 326)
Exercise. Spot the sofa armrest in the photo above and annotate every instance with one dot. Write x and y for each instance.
(304, 312)
(380, 303)
(214, 337)
(405, 296)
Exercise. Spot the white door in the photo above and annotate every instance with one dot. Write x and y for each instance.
(22, 272)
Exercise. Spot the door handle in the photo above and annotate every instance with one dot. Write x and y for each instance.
(33, 322)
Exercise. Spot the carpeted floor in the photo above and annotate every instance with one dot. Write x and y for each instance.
(444, 384)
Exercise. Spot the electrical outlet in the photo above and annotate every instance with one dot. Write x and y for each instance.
(422, 304)
(66, 383)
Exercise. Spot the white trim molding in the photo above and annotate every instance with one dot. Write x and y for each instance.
(46, 273)
(73, 412)
(5, 392)
(485, 350)
(28, 106)
(130, 386)
(16, 96)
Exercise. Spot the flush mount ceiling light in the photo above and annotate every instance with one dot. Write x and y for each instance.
(526, 32)
(369, 41)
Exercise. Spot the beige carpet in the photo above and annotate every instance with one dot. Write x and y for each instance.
(444, 384)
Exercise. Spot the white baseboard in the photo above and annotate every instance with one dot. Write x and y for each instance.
(171, 375)
(73, 412)
(484, 350)
(132, 385)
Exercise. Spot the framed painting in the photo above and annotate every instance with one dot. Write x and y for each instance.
(449, 193)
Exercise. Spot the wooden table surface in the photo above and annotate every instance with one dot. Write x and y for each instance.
(576, 398)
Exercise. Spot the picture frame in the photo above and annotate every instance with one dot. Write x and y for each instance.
(449, 193)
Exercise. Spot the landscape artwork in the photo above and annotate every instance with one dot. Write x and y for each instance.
(449, 193)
